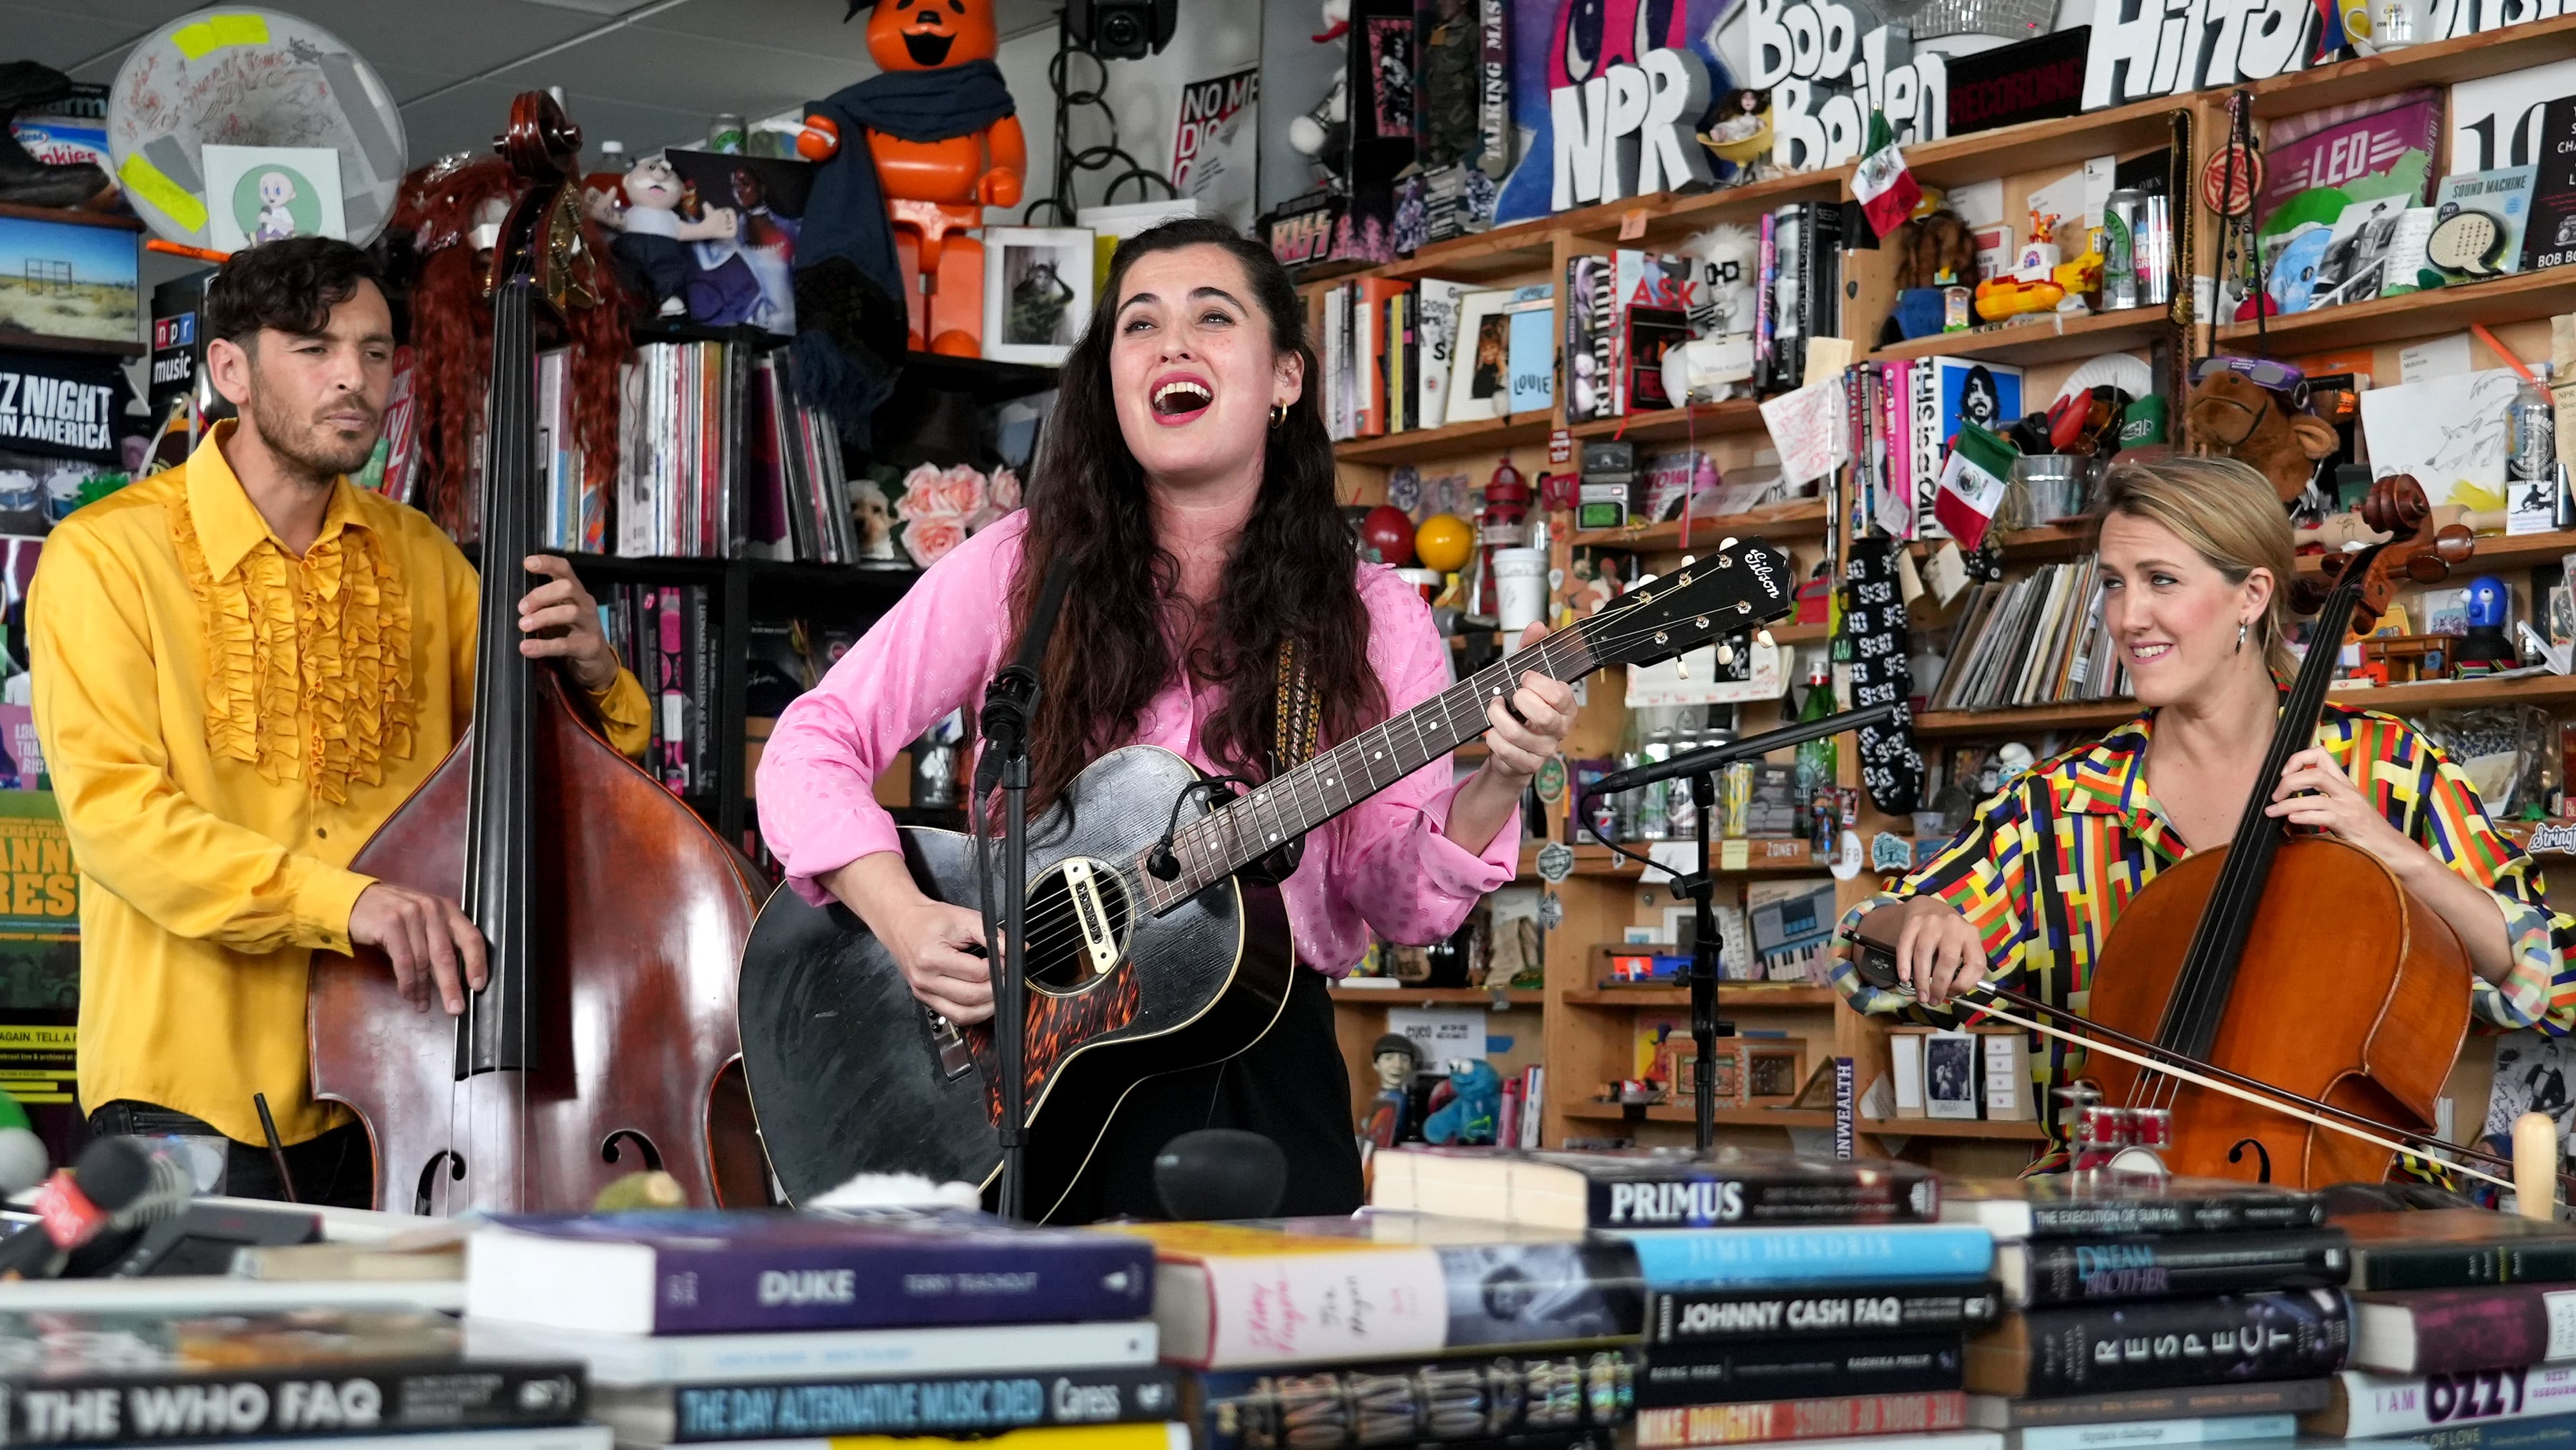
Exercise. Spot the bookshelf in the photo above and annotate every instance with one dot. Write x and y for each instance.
(1587, 1027)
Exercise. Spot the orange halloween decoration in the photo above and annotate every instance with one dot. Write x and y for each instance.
(937, 190)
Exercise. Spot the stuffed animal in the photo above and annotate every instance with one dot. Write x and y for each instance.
(1471, 1116)
(943, 142)
(652, 235)
(2229, 415)
(1935, 243)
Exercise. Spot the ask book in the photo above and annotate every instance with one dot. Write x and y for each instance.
(1648, 1188)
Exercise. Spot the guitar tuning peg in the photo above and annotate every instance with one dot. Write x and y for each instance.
(1726, 654)
(1681, 667)
(1763, 638)
(1727, 543)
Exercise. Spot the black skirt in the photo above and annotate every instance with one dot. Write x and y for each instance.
(1290, 1087)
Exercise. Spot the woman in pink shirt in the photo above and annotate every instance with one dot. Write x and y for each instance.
(1188, 478)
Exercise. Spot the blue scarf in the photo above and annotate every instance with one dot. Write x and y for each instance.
(845, 216)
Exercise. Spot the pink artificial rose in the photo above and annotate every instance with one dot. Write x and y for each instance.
(928, 540)
(919, 488)
(1004, 489)
(959, 491)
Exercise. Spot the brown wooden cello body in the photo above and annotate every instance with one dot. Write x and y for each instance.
(2294, 961)
(605, 1040)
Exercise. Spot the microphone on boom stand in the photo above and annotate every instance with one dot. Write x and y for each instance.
(1699, 765)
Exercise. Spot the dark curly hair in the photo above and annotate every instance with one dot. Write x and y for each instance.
(1293, 573)
(291, 285)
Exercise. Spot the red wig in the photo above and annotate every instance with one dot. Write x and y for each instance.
(451, 336)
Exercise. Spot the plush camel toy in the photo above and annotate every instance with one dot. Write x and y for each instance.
(2231, 416)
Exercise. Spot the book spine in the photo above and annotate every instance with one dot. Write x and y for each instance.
(670, 681)
(1693, 1316)
(2472, 1329)
(2157, 1432)
(2546, 1432)
(1714, 1258)
(2285, 1397)
(1800, 1369)
(291, 1400)
(704, 645)
(2179, 1215)
(1434, 1402)
(950, 1405)
(1765, 364)
(1838, 1418)
(2462, 1266)
(2181, 1266)
(2380, 1404)
(1691, 1199)
(2089, 1349)
(748, 1288)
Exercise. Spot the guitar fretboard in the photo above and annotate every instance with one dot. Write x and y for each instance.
(1225, 841)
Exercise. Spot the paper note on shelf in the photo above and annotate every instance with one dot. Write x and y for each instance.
(1807, 427)
(2449, 432)
(2434, 357)
(1672, 858)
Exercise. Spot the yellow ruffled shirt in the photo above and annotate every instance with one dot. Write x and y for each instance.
(226, 724)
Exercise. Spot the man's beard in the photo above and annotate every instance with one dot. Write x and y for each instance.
(315, 452)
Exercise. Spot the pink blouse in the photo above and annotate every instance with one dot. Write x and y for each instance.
(1382, 864)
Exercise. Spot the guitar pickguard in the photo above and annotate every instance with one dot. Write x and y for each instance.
(1056, 1026)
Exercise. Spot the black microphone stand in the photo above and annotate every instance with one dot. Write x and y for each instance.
(1700, 767)
(1009, 703)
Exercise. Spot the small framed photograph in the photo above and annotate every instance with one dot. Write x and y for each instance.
(73, 277)
(1037, 292)
(1773, 1073)
(258, 194)
(1480, 381)
(1950, 1075)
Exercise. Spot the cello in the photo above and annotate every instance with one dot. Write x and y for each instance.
(2288, 1043)
(603, 1040)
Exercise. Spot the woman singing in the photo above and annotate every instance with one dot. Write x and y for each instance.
(2194, 555)
(1187, 477)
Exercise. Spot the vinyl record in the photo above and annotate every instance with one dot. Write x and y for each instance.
(241, 77)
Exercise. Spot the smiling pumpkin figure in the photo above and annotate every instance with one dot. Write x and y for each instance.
(942, 144)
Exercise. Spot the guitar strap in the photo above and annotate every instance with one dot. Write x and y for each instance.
(1298, 728)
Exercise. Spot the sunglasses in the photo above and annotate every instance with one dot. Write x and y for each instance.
(2262, 372)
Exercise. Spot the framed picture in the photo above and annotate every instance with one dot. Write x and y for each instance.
(69, 278)
(1773, 1072)
(258, 194)
(1037, 292)
(1480, 379)
(1950, 1075)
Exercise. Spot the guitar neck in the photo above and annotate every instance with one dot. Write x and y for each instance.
(1224, 841)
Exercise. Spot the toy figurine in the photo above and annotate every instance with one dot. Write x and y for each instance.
(1471, 1116)
(1323, 134)
(652, 236)
(943, 143)
(1395, 1059)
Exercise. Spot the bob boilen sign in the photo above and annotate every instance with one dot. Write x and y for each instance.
(1827, 64)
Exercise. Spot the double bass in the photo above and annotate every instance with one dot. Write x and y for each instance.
(2284, 997)
(603, 1042)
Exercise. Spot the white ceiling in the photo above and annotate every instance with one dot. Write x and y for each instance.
(651, 80)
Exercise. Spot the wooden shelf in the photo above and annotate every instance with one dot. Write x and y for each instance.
(1780, 521)
(2522, 297)
(1801, 633)
(1751, 996)
(2041, 145)
(1483, 256)
(1678, 425)
(1953, 1128)
(1416, 996)
(2061, 540)
(2442, 62)
(1725, 1117)
(1592, 859)
(1673, 217)
(2391, 699)
(2494, 551)
(1415, 444)
(2052, 337)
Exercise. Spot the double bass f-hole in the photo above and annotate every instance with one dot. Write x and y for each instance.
(2236, 1154)
(609, 1151)
(420, 1196)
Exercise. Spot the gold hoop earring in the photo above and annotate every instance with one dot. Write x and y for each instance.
(1278, 414)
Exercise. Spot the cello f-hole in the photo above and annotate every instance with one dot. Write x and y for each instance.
(455, 1162)
(2236, 1154)
(608, 1150)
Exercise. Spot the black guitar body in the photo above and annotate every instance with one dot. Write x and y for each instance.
(849, 1074)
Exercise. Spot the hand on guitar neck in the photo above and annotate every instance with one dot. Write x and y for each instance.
(1527, 729)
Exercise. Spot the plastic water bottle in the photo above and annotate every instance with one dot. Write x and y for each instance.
(2530, 461)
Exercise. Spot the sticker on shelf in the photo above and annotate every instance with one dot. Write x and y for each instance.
(1889, 851)
(1555, 862)
(1551, 911)
(1848, 860)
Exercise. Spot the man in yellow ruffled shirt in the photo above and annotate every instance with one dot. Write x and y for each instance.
(242, 666)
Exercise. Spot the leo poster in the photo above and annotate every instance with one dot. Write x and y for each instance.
(1216, 149)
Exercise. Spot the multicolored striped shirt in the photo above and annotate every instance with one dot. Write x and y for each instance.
(2049, 862)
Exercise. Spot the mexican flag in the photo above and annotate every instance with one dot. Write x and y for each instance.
(1972, 484)
(1886, 189)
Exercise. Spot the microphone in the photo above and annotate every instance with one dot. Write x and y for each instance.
(1710, 757)
(89, 1215)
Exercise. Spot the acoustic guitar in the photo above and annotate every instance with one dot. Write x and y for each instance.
(1130, 973)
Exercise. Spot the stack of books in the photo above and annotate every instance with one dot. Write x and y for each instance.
(315, 1379)
(2147, 1311)
(940, 1325)
(1780, 1298)
(2463, 1329)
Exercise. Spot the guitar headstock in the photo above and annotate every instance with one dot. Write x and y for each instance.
(1743, 584)
(543, 235)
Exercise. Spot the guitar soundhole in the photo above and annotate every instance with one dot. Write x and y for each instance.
(1078, 916)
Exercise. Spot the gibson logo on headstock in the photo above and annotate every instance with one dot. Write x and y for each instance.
(1762, 571)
